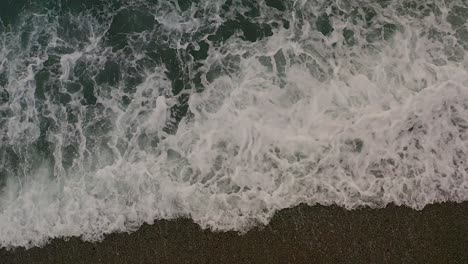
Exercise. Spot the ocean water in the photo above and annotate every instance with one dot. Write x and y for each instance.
(118, 113)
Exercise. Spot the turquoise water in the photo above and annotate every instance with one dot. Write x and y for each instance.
(115, 113)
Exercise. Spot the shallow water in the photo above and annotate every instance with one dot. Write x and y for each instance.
(225, 111)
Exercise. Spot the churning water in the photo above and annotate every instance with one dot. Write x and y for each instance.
(115, 113)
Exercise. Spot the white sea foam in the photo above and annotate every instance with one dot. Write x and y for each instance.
(296, 117)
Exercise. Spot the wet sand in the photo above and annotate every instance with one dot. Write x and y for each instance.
(318, 234)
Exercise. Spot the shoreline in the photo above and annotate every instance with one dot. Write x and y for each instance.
(302, 234)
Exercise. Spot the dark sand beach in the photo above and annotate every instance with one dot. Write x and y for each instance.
(318, 234)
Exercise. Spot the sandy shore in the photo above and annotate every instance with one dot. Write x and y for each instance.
(318, 234)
